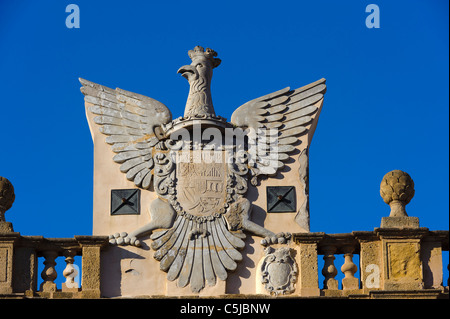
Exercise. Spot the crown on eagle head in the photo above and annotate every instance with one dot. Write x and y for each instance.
(210, 54)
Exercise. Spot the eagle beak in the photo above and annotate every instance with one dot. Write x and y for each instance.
(188, 71)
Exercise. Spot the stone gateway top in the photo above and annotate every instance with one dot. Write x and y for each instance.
(199, 166)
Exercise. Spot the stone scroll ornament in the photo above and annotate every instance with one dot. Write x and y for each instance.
(199, 220)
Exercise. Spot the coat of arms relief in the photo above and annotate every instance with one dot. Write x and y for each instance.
(200, 166)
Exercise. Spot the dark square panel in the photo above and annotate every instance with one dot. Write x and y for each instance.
(281, 199)
(125, 201)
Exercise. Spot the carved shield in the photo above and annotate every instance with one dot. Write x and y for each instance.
(201, 181)
(279, 271)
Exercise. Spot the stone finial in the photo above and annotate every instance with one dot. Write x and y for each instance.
(7, 196)
(397, 190)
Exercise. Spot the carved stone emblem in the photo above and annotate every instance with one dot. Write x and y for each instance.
(279, 271)
(200, 214)
(201, 181)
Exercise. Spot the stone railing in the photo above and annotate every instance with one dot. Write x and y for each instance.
(393, 263)
(19, 257)
(399, 259)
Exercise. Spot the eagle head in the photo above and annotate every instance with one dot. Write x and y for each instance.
(199, 75)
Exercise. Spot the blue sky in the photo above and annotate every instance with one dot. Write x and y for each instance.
(387, 104)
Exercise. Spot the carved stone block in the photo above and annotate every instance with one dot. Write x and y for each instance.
(308, 274)
(6, 267)
(403, 265)
(400, 222)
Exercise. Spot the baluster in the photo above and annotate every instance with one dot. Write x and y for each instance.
(49, 273)
(70, 272)
(349, 269)
(329, 269)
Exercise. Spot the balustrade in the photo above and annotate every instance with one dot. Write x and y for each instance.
(25, 258)
(70, 272)
(374, 271)
(49, 273)
(349, 269)
(329, 270)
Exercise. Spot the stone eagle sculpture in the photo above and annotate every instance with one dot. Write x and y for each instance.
(199, 218)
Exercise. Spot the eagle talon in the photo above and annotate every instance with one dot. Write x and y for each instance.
(123, 239)
(280, 238)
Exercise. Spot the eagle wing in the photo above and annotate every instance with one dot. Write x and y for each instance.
(277, 120)
(129, 120)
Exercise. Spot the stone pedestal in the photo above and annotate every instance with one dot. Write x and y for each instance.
(90, 280)
(401, 258)
(370, 260)
(308, 279)
(308, 274)
(6, 261)
(400, 235)
(25, 267)
(432, 264)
